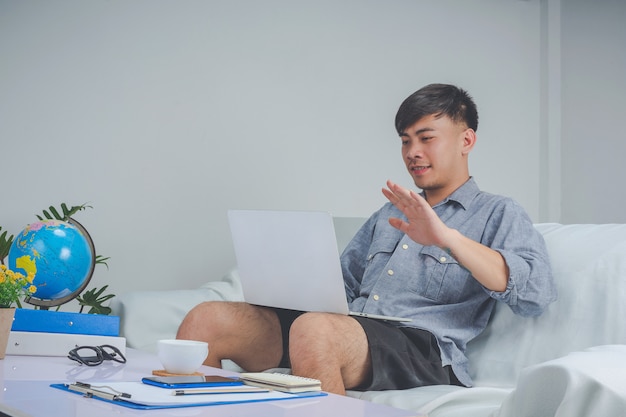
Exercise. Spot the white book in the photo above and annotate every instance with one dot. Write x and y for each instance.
(281, 382)
(57, 344)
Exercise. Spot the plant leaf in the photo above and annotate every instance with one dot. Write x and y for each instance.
(67, 212)
(97, 294)
(94, 299)
(55, 213)
(5, 245)
(102, 260)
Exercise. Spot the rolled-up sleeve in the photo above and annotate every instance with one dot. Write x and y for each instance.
(530, 287)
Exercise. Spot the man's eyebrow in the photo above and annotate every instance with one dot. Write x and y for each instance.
(418, 132)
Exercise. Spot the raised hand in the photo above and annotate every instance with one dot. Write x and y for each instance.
(423, 225)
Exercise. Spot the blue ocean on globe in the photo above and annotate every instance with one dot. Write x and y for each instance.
(57, 252)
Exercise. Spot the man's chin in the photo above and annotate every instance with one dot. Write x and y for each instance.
(422, 184)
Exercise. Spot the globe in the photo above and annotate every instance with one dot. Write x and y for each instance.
(60, 255)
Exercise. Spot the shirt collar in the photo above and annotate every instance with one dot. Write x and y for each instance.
(462, 195)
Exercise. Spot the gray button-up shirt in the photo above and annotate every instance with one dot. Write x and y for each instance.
(387, 273)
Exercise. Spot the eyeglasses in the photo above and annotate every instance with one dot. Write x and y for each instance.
(95, 355)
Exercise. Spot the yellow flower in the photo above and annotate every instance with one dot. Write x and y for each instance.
(14, 286)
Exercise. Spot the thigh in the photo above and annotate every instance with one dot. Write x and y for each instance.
(402, 357)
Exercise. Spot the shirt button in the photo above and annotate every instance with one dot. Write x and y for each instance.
(443, 259)
(376, 297)
(405, 246)
(390, 272)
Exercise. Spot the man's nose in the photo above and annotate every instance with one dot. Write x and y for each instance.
(414, 151)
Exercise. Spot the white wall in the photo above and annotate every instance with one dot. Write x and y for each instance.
(594, 111)
(164, 114)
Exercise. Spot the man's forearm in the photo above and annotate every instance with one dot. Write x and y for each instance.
(485, 264)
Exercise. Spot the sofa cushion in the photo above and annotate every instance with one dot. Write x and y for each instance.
(589, 267)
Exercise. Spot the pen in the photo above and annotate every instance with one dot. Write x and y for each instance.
(221, 390)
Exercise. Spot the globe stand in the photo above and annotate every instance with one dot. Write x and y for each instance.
(45, 304)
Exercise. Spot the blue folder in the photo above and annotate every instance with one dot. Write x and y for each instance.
(199, 400)
(48, 321)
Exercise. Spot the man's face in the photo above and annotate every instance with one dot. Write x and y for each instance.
(435, 152)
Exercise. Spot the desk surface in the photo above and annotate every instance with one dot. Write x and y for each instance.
(25, 391)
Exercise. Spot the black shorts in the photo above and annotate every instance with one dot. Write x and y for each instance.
(402, 357)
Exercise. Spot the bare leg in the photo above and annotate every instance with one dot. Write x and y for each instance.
(248, 335)
(332, 348)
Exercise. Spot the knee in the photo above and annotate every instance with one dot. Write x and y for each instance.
(312, 332)
(202, 320)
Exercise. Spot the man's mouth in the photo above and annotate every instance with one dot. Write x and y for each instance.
(418, 169)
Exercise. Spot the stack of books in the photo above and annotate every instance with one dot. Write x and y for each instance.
(55, 333)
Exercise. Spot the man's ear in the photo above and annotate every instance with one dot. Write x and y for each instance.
(469, 140)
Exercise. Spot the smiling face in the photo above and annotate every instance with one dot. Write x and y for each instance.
(435, 151)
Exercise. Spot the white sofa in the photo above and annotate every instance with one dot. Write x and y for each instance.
(571, 361)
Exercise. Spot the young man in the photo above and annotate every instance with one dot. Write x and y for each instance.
(442, 258)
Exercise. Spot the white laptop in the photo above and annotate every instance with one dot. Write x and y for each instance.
(290, 259)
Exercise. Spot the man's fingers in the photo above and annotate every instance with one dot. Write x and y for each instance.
(390, 195)
(397, 223)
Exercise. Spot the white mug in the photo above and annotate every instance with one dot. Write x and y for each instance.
(182, 356)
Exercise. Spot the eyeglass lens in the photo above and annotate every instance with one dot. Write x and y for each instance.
(112, 353)
(87, 355)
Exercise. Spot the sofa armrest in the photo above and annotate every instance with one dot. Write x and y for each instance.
(148, 316)
(580, 384)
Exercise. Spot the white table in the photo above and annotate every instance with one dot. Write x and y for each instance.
(25, 391)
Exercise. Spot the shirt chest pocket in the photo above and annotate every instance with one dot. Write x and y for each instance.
(441, 277)
(380, 252)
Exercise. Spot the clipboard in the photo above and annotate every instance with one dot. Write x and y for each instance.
(139, 396)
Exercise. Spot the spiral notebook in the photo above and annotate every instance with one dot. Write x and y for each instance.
(281, 382)
(290, 259)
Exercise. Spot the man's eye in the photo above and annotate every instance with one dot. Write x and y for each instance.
(426, 138)
(405, 142)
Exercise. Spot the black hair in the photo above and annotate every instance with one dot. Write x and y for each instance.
(439, 100)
